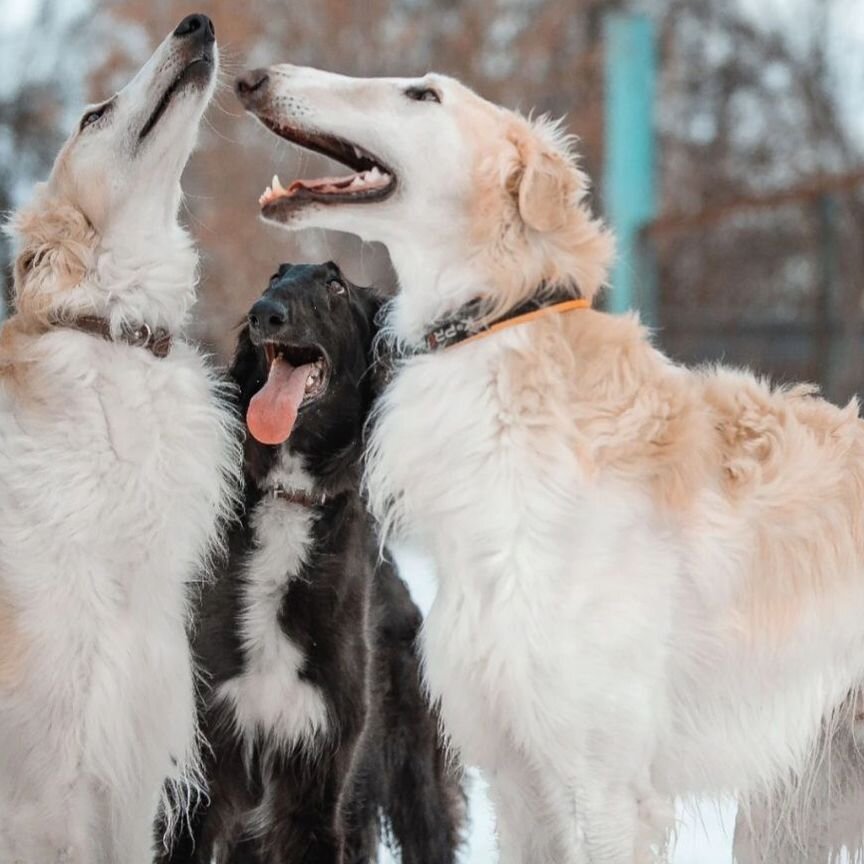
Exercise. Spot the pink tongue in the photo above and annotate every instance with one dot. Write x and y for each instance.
(273, 410)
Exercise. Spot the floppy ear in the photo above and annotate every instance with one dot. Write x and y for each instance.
(55, 243)
(544, 191)
(24, 263)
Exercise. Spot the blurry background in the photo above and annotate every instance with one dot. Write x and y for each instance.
(726, 141)
(745, 241)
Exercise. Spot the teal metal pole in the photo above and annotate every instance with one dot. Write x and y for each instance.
(630, 187)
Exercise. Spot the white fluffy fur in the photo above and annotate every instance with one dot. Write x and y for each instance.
(546, 626)
(115, 468)
(650, 577)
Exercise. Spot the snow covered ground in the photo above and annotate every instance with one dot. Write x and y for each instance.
(704, 834)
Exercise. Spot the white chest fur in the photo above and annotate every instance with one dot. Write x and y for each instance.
(269, 699)
(115, 469)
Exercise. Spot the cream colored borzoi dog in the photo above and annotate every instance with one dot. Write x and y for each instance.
(115, 467)
(651, 578)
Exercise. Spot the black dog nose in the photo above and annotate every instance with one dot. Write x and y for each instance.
(250, 82)
(196, 25)
(267, 316)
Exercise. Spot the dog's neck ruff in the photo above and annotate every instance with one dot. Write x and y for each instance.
(466, 325)
(299, 496)
(158, 342)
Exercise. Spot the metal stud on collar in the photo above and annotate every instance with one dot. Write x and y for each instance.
(158, 342)
(142, 335)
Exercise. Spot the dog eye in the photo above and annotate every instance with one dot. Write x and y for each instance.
(423, 94)
(92, 116)
(336, 286)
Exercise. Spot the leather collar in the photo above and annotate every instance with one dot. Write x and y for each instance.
(158, 342)
(299, 496)
(467, 323)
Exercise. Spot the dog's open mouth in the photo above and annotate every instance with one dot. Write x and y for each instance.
(197, 72)
(297, 375)
(370, 181)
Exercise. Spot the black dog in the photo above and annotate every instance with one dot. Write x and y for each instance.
(317, 726)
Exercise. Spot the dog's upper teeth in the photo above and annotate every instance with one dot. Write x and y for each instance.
(357, 153)
(277, 186)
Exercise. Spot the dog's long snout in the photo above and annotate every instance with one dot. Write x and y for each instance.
(196, 26)
(267, 316)
(251, 85)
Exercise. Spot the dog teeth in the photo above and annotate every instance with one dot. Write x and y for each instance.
(313, 380)
(374, 177)
(272, 192)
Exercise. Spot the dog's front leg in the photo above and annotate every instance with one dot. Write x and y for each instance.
(308, 821)
(535, 821)
(609, 817)
(623, 820)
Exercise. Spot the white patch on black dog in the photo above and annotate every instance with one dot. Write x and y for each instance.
(269, 698)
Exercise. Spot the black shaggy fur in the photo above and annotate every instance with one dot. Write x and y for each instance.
(350, 615)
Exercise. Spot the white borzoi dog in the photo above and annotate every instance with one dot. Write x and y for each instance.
(651, 579)
(116, 467)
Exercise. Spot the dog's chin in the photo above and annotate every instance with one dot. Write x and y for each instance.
(361, 220)
(288, 209)
(294, 215)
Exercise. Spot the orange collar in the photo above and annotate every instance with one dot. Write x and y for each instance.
(525, 317)
(466, 328)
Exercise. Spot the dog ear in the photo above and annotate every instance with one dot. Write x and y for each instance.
(545, 188)
(24, 263)
(56, 243)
